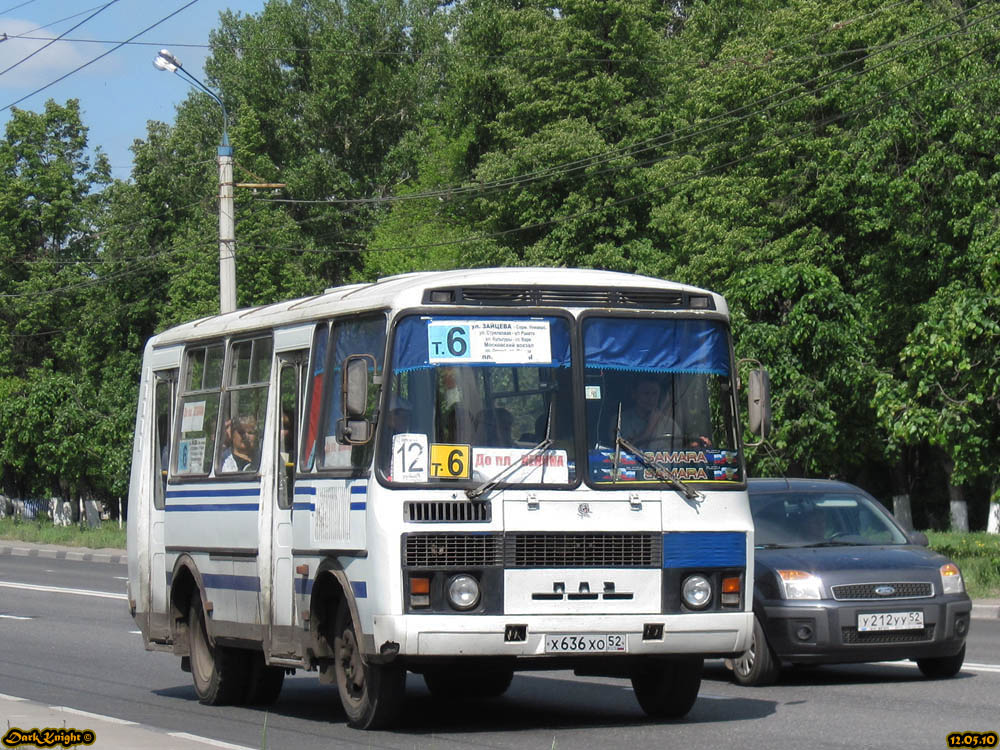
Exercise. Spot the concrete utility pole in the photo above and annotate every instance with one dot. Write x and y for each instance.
(227, 231)
(227, 209)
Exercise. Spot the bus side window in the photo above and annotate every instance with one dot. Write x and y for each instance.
(244, 400)
(163, 409)
(289, 403)
(356, 335)
(200, 391)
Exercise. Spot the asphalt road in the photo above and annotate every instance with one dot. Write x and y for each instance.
(82, 650)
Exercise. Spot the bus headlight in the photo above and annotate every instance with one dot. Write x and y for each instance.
(696, 591)
(463, 591)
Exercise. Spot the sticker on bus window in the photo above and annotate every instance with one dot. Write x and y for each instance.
(592, 392)
(191, 456)
(512, 342)
(451, 461)
(523, 466)
(193, 419)
(409, 457)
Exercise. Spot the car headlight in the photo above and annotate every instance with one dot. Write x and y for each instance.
(696, 591)
(951, 579)
(799, 584)
(463, 591)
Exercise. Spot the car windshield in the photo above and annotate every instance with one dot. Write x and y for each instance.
(659, 401)
(814, 519)
(471, 398)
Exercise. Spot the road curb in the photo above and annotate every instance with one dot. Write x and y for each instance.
(54, 552)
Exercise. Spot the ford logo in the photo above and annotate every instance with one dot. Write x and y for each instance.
(885, 590)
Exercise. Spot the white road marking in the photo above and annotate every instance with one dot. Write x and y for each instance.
(208, 741)
(14, 617)
(14, 698)
(60, 590)
(99, 717)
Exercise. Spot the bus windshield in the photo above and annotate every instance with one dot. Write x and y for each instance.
(472, 399)
(659, 401)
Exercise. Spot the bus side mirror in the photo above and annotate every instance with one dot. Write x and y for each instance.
(355, 391)
(759, 402)
(354, 428)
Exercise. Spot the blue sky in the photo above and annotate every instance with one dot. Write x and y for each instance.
(122, 91)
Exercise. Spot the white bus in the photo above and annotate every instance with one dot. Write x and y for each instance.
(457, 474)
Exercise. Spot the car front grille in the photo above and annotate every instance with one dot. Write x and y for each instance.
(850, 635)
(867, 591)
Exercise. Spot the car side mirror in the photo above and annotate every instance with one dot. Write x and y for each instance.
(920, 538)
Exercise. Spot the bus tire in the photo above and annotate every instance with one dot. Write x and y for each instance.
(371, 694)
(668, 689)
(759, 665)
(455, 682)
(219, 674)
(265, 682)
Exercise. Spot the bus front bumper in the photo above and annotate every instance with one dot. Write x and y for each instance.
(709, 634)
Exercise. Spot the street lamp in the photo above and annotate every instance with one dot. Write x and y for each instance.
(227, 230)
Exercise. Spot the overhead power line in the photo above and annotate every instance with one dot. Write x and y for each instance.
(95, 59)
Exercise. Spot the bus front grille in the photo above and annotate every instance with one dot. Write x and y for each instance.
(446, 511)
(590, 550)
(452, 550)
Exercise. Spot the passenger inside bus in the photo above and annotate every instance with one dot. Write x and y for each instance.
(242, 454)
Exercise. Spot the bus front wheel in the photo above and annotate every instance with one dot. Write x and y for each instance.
(219, 673)
(668, 689)
(372, 694)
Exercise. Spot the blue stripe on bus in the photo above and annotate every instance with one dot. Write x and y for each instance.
(696, 549)
(305, 490)
(303, 586)
(236, 583)
(199, 507)
(358, 506)
(237, 492)
(360, 589)
(303, 506)
(359, 489)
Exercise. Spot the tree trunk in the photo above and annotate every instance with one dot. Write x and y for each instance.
(959, 508)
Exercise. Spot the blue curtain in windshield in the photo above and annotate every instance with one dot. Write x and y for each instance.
(676, 346)
(412, 333)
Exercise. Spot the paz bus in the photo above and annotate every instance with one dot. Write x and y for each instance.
(456, 475)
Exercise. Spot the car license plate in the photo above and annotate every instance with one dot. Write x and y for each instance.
(579, 643)
(890, 621)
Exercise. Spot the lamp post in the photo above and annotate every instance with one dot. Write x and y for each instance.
(227, 231)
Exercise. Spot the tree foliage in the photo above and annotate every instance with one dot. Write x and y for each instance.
(829, 166)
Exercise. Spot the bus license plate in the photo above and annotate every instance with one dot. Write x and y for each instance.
(890, 621)
(570, 643)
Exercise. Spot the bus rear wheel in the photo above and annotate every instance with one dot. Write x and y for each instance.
(371, 694)
(668, 689)
(458, 682)
(219, 673)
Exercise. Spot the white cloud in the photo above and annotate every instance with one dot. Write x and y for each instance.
(55, 60)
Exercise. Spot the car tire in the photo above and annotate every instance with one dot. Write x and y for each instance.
(371, 694)
(942, 667)
(759, 665)
(668, 689)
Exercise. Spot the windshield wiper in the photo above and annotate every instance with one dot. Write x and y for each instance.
(659, 469)
(831, 544)
(475, 493)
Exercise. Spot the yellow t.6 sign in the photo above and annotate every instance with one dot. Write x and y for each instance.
(451, 461)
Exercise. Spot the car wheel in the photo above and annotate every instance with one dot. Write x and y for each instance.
(219, 673)
(668, 689)
(759, 665)
(942, 666)
(372, 694)
(450, 682)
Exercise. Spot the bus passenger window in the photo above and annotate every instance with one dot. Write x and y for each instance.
(243, 403)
